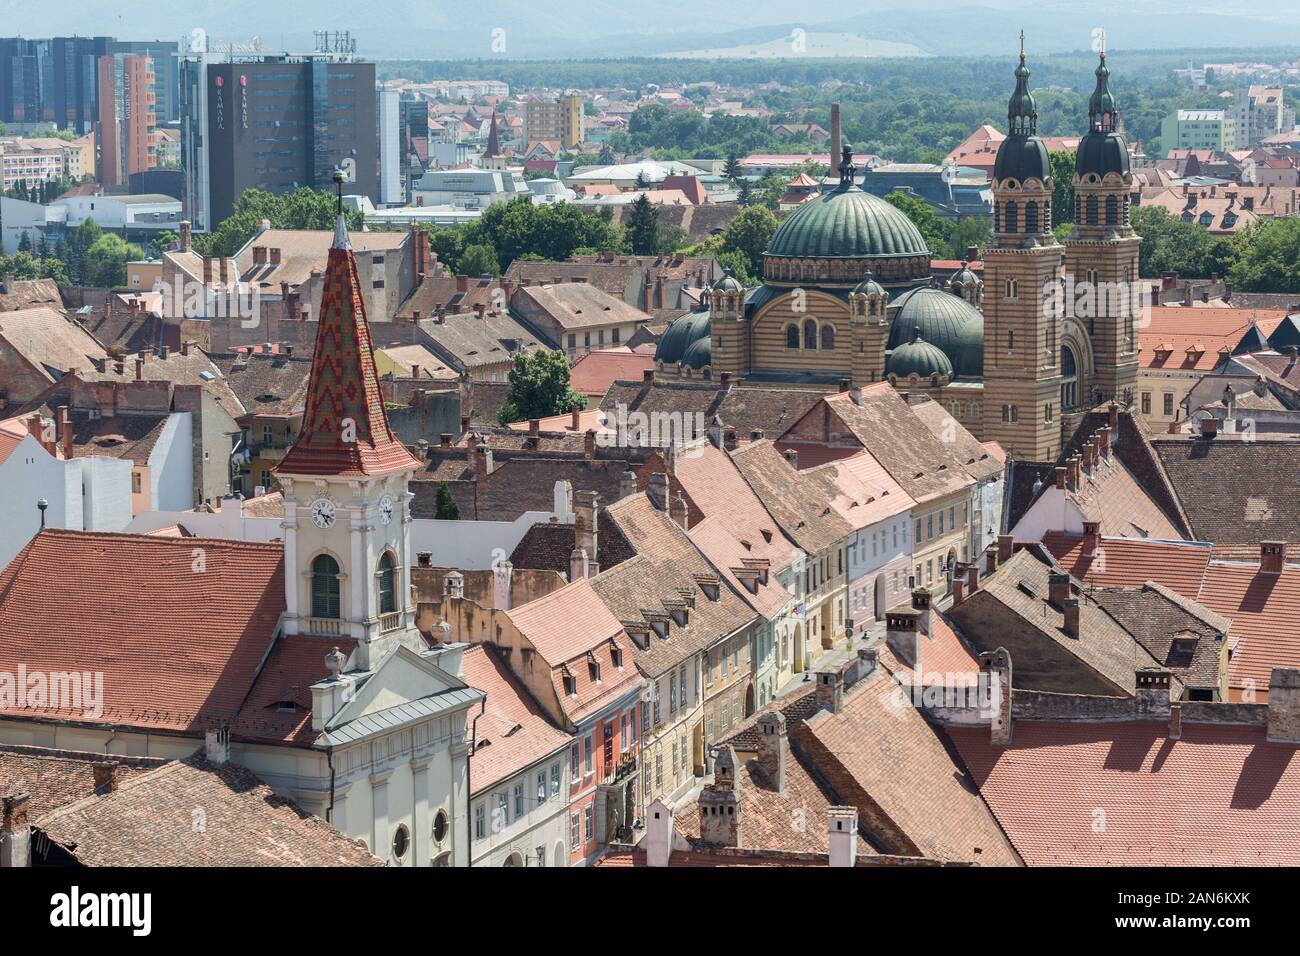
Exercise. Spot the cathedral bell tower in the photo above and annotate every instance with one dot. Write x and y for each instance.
(725, 300)
(346, 504)
(1101, 256)
(1022, 266)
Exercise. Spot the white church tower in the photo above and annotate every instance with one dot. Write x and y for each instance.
(346, 503)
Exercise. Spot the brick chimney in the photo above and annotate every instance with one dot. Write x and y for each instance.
(830, 690)
(585, 529)
(921, 603)
(724, 380)
(1153, 692)
(106, 776)
(791, 458)
(589, 444)
(534, 426)
(626, 484)
(990, 560)
(444, 440)
(972, 577)
(1061, 473)
(679, 512)
(1058, 588)
(185, 235)
(647, 376)
(728, 438)
(772, 748)
(721, 810)
(1209, 427)
(995, 668)
(900, 635)
(65, 432)
(575, 416)
(657, 489)
(139, 368)
(1284, 705)
(1071, 623)
(1006, 545)
(1272, 556)
(1091, 538)
(1113, 411)
(216, 746)
(1103, 441)
(15, 832)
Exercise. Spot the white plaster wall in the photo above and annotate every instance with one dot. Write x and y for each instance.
(171, 465)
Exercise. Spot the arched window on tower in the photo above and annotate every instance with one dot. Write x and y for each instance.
(828, 338)
(387, 584)
(810, 335)
(1010, 217)
(324, 587)
(1031, 217)
(1011, 342)
(1112, 211)
(1090, 215)
(1069, 379)
(792, 336)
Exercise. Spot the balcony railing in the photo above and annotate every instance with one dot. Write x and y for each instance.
(390, 622)
(322, 626)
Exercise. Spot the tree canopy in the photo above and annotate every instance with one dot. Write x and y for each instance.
(539, 388)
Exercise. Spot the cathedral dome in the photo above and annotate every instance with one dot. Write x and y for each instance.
(682, 333)
(699, 353)
(1021, 158)
(1101, 153)
(946, 321)
(918, 357)
(847, 223)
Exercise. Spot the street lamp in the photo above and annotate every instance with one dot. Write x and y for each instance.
(41, 505)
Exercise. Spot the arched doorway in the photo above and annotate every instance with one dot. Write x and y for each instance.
(514, 859)
(879, 607)
(749, 700)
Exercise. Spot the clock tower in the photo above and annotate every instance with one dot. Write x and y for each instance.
(346, 504)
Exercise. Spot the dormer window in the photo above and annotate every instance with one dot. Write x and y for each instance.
(660, 627)
(680, 616)
(616, 655)
(570, 684)
(593, 666)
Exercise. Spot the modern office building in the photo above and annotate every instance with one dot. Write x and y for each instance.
(126, 117)
(55, 81)
(275, 123)
(1199, 129)
(391, 190)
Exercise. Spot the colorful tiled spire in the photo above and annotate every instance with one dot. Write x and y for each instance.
(345, 426)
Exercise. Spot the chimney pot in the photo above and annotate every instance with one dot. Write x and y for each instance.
(648, 376)
(1272, 557)
(1006, 544)
(1058, 588)
(105, 775)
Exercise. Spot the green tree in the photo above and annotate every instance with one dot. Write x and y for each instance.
(966, 232)
(1062, 187)
(539, 388)
(478, 260)
(1171, 245)
(934, 229)
(1268, 257)
(732, 168)
(643, 227)
(106, 259)
(162, 242)
(445, 505)
(748, 235)
(302, 208)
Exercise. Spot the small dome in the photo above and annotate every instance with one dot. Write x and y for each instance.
(918, 357)
(963, 278)
(727, 283)
(869, 286)
(683, 332)
(1101, 152)
(847, 223)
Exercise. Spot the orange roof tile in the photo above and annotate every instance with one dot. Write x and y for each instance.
(512, 733)
(1124, 794)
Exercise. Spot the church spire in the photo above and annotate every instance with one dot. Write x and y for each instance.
(494, 141)
(1102, 113)
(1022, 111)
(345, 429)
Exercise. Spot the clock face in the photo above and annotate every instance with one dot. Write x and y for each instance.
(322, 512)
(386, 509)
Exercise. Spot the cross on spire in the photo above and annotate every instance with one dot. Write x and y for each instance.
(1022, 44)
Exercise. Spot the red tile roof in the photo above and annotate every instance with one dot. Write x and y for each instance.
(177, 626)
(1167, 333)
(1123, 794)
(512, 733)
(345, 426)
(593, 374)
(1131, 562)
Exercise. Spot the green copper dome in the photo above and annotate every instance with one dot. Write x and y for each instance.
(1022, 154)
(946, 321)
(846, 223)
(727, 283)
(682, 333)
(918, 357)
(963, 277)
(699, 353)
(869, 286)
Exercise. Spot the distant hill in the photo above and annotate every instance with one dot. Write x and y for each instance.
(807, 43)
(460, 29)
